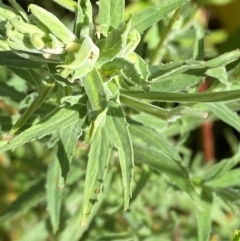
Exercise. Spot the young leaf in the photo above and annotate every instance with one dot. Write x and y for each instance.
(56, 26)
(83, 21)
(19, 9)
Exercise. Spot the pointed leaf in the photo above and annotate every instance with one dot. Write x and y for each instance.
(54, 192)
(221, 168)
(154, 139)
(110, 14)
(165, 164)
(222, 111)
(228, 179)
(66, 146)
(117, 131)
(204, 215)
(8, 58)
(56, 120)
(153, 14)
(98, 159)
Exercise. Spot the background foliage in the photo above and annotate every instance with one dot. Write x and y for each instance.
(95, 98)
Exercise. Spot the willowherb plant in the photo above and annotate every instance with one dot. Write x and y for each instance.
(89, 76)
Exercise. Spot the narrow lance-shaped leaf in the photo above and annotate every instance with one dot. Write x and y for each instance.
(153, 14)
(66, 146)
(56, 26)
(221, 168)
(73, 232)
(53, 191)
(228, 179)
(222, 111)
(97, 97)
(10, 59)
(83, 21)
(98, 158)
(164, 163)
(56, 120)
(204, 214)
(154, 139)
(117, 131)
(33, 106)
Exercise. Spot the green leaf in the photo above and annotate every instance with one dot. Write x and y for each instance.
(38, 232)
(10, 59)
(153, 14)
(98, 158)
(95, 90)
(132, 68)
(55, 121)
(7, 12)
(163, 163)
(198, 51)
(223, 112)
(204, 214)
(117, 131)
(19, 9)
(110, 14)
(154, 139)
(228, 179)
(120, 42)
(178, 82)
(219, 169)
(30, 198)
(219, 73)
(236, 236)
(33, 106)
(10, 95)
(56, 26)
(73, 232)
(68, 4)
(83, 21)
(66, 146)
(54, 192)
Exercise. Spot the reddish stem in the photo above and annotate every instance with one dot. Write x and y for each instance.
(207, 133)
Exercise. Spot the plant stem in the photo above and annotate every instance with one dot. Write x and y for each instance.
(221, 96)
